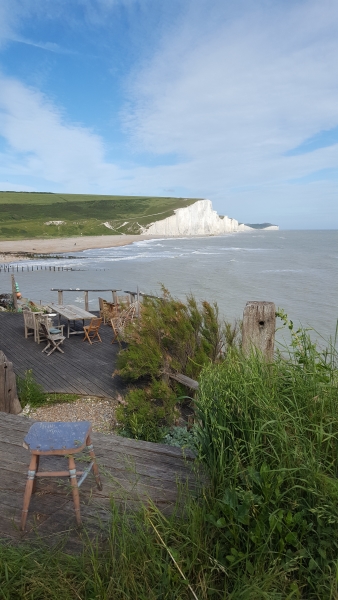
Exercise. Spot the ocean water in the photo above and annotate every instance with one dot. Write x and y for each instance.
(298, 270)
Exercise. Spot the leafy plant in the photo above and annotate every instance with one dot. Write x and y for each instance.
(182, 437)
(29, 391)
(146, 413)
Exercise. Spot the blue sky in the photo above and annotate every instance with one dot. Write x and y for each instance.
(236, 101)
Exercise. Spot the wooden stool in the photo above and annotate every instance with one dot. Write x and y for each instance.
(58, 439)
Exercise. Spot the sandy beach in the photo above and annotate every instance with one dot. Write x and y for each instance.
(16, 250)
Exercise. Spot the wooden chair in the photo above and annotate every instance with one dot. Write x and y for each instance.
(54, 340)
(91, 331)
(30, 322)
(108, 310)
(59, 439)
(46, 320)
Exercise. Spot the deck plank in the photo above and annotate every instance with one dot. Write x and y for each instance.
(83, 369)
(132, 473)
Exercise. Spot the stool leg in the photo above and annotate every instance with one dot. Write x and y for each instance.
(36, 470)
(73, 481)
(28, 490)
(95, 467)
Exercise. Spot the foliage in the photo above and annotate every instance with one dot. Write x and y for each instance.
(29, 391)
(173, 335)
(269, 436)
(146, 413)
(170, 335)
(182, 437)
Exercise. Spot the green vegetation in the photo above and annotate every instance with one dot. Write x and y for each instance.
(169, 336)
(264, 528)
(31, 393)
(24, 214)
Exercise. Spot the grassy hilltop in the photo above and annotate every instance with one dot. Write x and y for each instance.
(26, 214)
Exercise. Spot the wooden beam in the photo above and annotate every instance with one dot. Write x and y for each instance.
(15, 298)
(187, 381)
(9, 401)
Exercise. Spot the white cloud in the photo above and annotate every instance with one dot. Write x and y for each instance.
(232, 103)
(43, 145)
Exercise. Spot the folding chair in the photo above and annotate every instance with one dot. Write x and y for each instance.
(91, 331)
(54, 340)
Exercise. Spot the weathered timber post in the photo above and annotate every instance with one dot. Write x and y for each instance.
(60, 297)
(259, 326)
(9, 401)
(15, 298)
(86, 301)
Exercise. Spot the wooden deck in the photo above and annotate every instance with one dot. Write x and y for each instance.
(83, 368)
(131, 472)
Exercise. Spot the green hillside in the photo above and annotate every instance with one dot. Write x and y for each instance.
(28, 214)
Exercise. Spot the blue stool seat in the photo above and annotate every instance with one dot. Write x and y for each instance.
(46, 438)
(59, 439)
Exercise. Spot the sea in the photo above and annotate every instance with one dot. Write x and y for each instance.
(297, 270)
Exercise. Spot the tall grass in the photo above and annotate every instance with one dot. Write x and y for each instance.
(269, 436)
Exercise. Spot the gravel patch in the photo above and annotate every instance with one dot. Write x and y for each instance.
(99, 411)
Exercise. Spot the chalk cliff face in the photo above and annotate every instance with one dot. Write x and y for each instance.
(197, 219)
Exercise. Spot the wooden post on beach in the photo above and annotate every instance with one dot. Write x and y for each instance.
(9, 401)
(60, 297)
(86, 300)
(259, 326)
(15, 299)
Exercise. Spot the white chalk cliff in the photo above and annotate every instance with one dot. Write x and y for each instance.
(197, 219)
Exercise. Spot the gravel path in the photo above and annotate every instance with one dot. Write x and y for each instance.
(99, 411)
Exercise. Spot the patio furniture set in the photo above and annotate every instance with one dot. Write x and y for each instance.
(41, 325)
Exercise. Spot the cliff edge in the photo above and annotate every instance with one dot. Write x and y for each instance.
(197, 219)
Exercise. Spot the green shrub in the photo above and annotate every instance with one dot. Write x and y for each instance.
(147, 413)
(170, 336)
(173, 335)
(29, 391)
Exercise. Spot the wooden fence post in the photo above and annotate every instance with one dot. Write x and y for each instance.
(9, 401)
(259, 326)
(15, 298)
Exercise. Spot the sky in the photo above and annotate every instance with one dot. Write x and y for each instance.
(231, 100)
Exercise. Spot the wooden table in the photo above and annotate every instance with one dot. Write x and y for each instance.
(71, 313)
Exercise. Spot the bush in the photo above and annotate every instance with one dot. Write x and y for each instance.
(170, 336)
(29, 391)
(147, 413)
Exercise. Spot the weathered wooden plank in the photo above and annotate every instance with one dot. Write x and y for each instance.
(187, 381)
(9, 401)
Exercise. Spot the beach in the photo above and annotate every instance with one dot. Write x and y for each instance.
(18, 249)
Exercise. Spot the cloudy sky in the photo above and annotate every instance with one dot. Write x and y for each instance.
(232, 100)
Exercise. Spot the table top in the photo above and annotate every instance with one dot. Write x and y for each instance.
(71, 312)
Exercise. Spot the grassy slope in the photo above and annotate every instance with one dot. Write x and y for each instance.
(24, 214)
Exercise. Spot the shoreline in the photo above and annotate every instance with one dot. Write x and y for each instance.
(12, 251)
